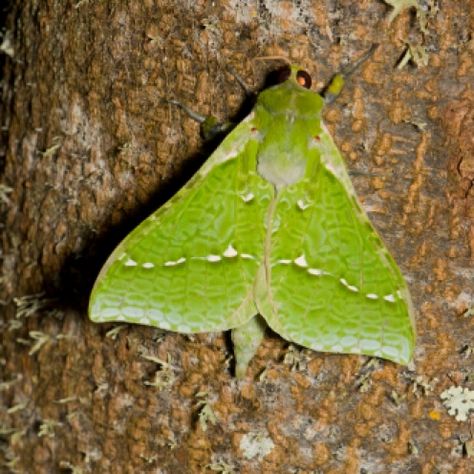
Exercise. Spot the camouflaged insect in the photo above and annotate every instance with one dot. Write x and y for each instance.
(269, 231)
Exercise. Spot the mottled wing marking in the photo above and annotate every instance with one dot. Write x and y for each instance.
(190, 267)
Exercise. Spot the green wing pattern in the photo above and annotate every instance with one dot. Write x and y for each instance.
(270, 224)
(333, 286)
(190, 267)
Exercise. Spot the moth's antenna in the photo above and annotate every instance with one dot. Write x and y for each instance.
(336, 84)
(351, 68)
(273, 58)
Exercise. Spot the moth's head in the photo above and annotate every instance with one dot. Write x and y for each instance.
(295, 74)
(288, 91)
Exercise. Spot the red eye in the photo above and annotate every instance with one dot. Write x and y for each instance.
(304, 79)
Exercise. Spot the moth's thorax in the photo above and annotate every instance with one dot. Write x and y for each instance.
(288, 117)
(290, 96)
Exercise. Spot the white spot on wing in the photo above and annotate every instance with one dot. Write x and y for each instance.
(390, 298)
(130, 263)
(144, 321)
(372, 296)
(284, 261)
(230, 252)
(164, 325)
(173, 263)
(349, 287)
(302, 205)
(247, 256)
(247, 197)
(330, 166)
(316, 271)
(301, 261)
(213, 258)
(148, 265)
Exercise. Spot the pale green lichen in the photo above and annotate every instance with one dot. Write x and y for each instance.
(27, 305)
(47, 428)
(363, 381)
(469, 313)
(14, 325)
(16, 408)
(459, 401)
(422, 385)
(164, 377)
(4, 192)
(63, 401)
(165, 364)
(6, 431)
(296, 359)
(40, 339)
(397, 398)
(415, 54)
(67, 465)
(50, 151)
(220, 466)
(161, 379)
(206, 414)
(149, 459)
(11, 465)
(413, 448)
(469, 448)
(7, 44)
(114, 332)
(467, 350)
(5, 385)
(256, 445)
(401, 5)
(17, 435)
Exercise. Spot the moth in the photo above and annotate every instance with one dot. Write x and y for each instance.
(268, 232)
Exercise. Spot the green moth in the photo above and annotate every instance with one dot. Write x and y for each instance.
(269, 231)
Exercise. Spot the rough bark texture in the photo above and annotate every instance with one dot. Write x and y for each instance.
(90, 149)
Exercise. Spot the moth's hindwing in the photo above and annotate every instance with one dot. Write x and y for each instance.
(333, 284)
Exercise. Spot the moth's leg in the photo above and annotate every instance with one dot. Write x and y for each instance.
(335, 86)
(210, 125)
(248, 90)
(246, 339)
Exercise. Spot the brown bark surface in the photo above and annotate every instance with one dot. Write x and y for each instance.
(90, 149)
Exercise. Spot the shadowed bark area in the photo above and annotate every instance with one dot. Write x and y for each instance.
(89, 148)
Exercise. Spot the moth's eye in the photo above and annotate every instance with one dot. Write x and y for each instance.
(283, 74)
(304, 79)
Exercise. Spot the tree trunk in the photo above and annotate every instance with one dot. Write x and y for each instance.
(91, 148)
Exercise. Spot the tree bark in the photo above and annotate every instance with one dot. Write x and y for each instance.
(90, 148)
